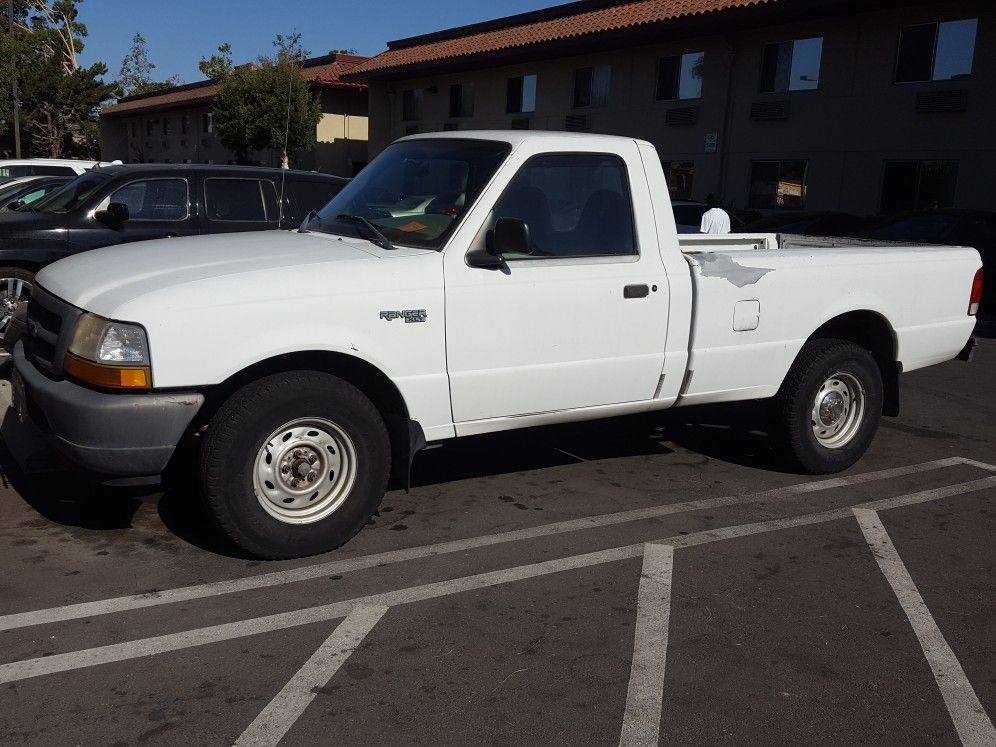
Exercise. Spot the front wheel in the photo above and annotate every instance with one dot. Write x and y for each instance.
(15, 290)
(295, 464)
(828, 409)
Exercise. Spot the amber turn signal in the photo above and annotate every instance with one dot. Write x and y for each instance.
(107, 377)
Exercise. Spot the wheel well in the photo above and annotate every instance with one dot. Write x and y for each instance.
(873, 332)
(405, 438)
(21, 265)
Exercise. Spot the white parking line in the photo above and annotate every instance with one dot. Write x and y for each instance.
(339, 567)
(971, 722)
(645, 695)
(115, 652)
(286, 708)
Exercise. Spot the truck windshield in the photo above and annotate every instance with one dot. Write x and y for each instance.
(74, 193)
(414, 192)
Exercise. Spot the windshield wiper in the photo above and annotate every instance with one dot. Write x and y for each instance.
(380, 239)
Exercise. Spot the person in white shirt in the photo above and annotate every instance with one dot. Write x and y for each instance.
(715, 219)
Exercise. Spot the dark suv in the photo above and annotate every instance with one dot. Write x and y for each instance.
(119, 204)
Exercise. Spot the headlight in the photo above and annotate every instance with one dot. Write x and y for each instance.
(109, 354)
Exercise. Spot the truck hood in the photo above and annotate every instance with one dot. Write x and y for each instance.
(104, 280)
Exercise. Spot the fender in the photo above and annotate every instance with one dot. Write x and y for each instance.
(33, 258)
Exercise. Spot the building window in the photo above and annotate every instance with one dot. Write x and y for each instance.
(134, 129)
(679, 175)
(680, 77)
(411, 104)
(936, 51)
(149, 128)
(918, 185)
(778, 185)
(462, 100)
(591, 86)
(165, 126)
(792, 66)
(521, 95)
(184, 123)
(207, 123)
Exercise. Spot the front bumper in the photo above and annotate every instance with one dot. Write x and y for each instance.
(117, 435)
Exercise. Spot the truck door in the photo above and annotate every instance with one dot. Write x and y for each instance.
(158, 208)
(580, 321)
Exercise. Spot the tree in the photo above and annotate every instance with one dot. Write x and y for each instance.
(268, 106)
(219, 65)
(136, 71)
(60, 99)
(351, 50)
(289, 50)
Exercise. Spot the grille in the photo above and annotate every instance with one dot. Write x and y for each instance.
(577, 123)
(50, 322)
(941, 102)
(767, 111)
(685, 115)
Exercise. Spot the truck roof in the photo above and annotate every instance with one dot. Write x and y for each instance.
(557, 139)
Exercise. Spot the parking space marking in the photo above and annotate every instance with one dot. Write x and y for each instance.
(645, 694)
(339, 567)
(281, 713)
(973, 725)
(19, 670)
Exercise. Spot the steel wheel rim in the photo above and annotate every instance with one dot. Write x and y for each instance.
(304, 471)
(838, 411)
(13, 293)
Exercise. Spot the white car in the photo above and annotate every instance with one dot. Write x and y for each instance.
(14, 167)
(306, 367)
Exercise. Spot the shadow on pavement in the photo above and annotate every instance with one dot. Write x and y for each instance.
(728, 433)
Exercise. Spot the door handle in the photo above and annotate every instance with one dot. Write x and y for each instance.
(636, 291)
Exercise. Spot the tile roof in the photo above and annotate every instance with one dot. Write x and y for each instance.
(576, 21)
(323, 72)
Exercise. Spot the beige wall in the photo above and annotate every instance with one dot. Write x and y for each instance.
(341, 134)
(857, 119)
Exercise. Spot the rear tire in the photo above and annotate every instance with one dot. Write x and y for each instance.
(295, 464)
(827, 411)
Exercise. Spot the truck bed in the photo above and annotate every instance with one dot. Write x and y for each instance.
(757, 297)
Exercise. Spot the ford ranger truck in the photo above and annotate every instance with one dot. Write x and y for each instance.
(461, 284)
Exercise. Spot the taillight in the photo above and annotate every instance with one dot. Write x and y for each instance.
(976, 298)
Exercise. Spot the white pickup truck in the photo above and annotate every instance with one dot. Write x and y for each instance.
(462, 284)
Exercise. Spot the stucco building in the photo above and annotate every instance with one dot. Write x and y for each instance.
(177, 125)
(774, 104)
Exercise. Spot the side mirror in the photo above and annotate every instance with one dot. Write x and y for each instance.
(14, 205)
(115, 215)
(511, 237)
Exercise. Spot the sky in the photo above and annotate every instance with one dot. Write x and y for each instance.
(180, 32)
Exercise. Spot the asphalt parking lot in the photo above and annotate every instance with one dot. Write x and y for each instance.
(621, 582)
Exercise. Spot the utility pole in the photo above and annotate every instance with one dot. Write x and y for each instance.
(17, 104)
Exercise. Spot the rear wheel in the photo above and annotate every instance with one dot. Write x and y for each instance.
(828, 409)
(16, 284)
(295, 464)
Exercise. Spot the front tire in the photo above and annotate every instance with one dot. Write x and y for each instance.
(295, 464)
(15, 291)
(827, 411)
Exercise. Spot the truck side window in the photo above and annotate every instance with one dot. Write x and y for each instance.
(154, 199)
(576, 205)
(238, 200)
